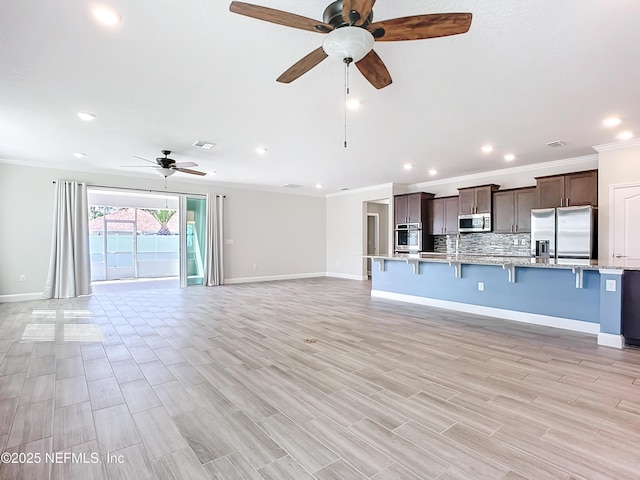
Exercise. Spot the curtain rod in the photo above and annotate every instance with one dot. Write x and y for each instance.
(139, 190)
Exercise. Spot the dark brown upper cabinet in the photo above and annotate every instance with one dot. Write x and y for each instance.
(568, 190)
(411, 207)
(443, 216)
(512, 210)
(476, 199)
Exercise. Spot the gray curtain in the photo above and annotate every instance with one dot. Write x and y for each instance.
(214, 253)
(69, 264)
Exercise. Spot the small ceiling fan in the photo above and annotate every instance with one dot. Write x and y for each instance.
(168, 166)
(350, 34)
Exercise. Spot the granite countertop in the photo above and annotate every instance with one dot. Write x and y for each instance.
(616, 264)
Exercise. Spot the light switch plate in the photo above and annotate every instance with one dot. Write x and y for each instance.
(481, 286)
(610, 285)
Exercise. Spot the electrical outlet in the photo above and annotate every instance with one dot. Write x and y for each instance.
(610, 285)
(481, 286)
(254, 266)
(229, 241)
(23, 277)
(515, 242)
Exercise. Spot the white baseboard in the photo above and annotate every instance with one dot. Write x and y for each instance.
(524, 317)
(270, 278)
(347, 276)
(21, 297)
(610, 340)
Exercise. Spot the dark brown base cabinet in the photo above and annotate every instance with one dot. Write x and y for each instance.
(512, 210)
(631, 307)
(443, 216)
(569, 190)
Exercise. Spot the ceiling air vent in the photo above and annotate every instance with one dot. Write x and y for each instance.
(203, 144)
(556, 143)
(290, 185)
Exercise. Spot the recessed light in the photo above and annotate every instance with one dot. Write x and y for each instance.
(105, 14)
(318, 185)
(407, 166)
(261, 150)
(79, 154)
(626, 135)
(487, 148)
(433, 172)
(353, 103)
(509, 156)
(86, 116)
(611, 122)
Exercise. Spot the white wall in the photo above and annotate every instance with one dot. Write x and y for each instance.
(282, 234)
(619, 164)
(346, 230)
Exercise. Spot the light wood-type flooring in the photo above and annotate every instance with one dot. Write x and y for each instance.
(305, 379)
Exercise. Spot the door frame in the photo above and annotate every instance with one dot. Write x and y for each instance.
(376, 240)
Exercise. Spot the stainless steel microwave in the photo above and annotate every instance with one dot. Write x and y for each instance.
(475, 222)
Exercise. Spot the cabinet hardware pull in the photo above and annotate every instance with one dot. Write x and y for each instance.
(515, 228)
(621, 256)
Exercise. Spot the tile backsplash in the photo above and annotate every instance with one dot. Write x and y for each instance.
(499, 244)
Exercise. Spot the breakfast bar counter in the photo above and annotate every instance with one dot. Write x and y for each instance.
(580, 295)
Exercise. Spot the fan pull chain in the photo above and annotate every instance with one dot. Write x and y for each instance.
(347, 62)
(166, 200)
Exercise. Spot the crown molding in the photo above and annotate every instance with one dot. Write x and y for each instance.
(607, 147)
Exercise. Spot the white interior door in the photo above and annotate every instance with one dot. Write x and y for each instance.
(625, 220)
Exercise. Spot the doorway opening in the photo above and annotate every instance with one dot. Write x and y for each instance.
(377, 230)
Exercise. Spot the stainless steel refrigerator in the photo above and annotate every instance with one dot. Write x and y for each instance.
(564, 232)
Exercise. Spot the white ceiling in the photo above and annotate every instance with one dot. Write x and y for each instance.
(527, 73)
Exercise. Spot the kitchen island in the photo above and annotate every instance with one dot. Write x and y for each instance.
(580, 295)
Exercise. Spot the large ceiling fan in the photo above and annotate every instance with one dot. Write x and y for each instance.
(168, 166)
(350, 34)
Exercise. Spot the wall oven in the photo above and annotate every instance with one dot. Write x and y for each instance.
(408, 237)
(475, 222)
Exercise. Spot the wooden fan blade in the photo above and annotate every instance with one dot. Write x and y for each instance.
(278, 16)
(374, 70)
(422, 26)
(185, 164)
(186, 170)
(303, 65)
(135, 156)
(363, 7)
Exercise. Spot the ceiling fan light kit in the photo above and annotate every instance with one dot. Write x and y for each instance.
(352, 43)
